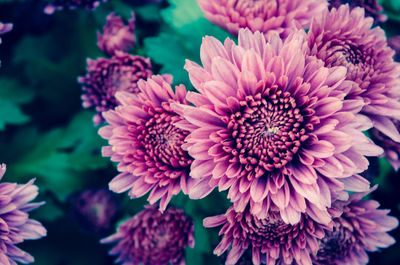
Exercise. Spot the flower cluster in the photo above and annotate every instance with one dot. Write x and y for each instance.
(148, 145)
(371, 7)
(153, 238)
(361, 227)
(266, 16)
(277, 120)
(106, 76)
(116, 36)
(16, 227)
(271, 125)
(95, 210)
(269, 238)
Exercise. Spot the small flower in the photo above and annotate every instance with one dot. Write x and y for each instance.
(266, 16)
(343, 37)
(116, 36)
(94, 209)
(153, 238)
(105, 77)
(71, 4)
(15, 225)
(372, 8)
(146, 143)
(269, 238)
(361, 227)
(394, 43)
(4, 28)
(270, 124)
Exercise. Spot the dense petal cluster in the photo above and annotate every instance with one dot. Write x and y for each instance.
(266, 16)
(362, 227)
(71, 4)
(117, 36)
(343, 38)
(15, 225)
(270, 239)
(146, 143)
(4, 28)
(271, 125)
(153, 238)
(94, 209)
(106, 76)
(372, 8)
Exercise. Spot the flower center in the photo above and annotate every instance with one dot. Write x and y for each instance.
(123, 79)
(163, 141)
(269, 230)
(335, 245)
(267, 130)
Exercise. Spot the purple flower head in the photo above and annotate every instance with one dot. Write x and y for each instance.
(266, 16)
(15, 225)
(343, 38)
(147, 144)
(153, 238)
(271, 125)
(4, 28)
(71, 4)
(269, 238)
(372, 8)
(394, 43)
(105, 77)
(116, 36)
(361, 227)
(95, 209)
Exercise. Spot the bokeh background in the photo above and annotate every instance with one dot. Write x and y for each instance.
(46, 134)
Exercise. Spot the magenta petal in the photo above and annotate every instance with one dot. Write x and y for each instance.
(122, 182)
(200, 190)
(214, 221)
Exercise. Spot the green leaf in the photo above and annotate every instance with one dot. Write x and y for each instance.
(186, 17)
(12, 95)
(169, 51)
(187, 28)
(12, 90)
(61, 156)
(10, 113)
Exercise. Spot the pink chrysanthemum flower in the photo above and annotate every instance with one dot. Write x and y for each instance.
(4, 28)
(372, 8)
(269, 238)
(153, 238)
(266, 16)
(361, 227)
(147, 144)
(343, 38)
(270, 124)
(116, 36)
(15, 225)
(107, 76)
(71, 4)
(95, 210)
